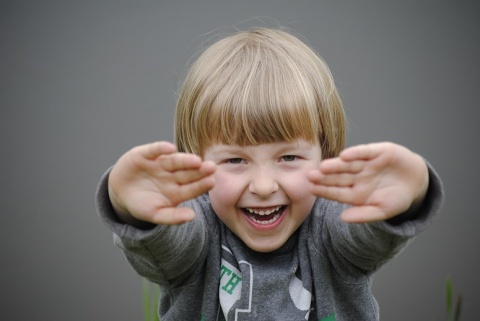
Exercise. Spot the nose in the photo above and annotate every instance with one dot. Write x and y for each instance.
(263, 183)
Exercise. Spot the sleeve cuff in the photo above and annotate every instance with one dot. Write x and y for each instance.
(412, 224)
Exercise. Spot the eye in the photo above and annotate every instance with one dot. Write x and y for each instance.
(236, 160)
(289, 158)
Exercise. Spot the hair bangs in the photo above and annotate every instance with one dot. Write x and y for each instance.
(258, 87)
(270, 104)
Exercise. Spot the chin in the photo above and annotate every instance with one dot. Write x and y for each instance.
(265, 246)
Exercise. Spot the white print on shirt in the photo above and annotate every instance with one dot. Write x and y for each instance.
(231, 286)
(301, 297)
(249, 309)
(230, 290)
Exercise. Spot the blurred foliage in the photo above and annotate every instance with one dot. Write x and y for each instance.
(151, 294)
(453, 313)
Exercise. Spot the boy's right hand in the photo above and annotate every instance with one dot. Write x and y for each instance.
(149, 181)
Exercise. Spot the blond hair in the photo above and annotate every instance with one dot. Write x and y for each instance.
(259, 86)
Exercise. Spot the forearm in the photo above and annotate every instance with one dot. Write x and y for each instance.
(159, 253)
(366, 247)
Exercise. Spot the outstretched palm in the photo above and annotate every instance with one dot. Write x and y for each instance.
(149, 181)
(379, 180)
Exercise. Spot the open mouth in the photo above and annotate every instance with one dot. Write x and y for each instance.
(264, 216)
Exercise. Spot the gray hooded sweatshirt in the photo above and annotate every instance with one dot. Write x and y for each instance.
(323, 272)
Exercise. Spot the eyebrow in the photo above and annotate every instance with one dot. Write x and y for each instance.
(283, 148)
(228, 149)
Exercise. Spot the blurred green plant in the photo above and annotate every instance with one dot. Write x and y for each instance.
(453, 313)
(151, 294)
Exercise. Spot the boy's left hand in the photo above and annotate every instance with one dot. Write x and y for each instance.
(379, 180)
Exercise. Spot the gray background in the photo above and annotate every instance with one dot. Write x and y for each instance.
(83, 81)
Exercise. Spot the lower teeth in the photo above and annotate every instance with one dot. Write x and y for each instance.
(270, 221)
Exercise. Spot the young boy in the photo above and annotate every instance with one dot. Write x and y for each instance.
(246, 218)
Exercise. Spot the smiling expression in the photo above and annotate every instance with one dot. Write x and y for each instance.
(262, 192)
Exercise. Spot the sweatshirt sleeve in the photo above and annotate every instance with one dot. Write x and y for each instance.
(361, 249)
(163, 253)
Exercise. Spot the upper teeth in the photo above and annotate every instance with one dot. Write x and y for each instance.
(265, 212)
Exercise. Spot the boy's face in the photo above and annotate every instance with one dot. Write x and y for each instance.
(262, 192)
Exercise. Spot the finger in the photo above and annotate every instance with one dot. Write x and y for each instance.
(340, 180)
(339, 194)
(189, 176)
(180, 161)
(361, 152)
(192, 190)
(336, 165)
(363, 214)
(154, 150)
(173, 216)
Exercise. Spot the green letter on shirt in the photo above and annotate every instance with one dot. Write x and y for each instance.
(232, 282)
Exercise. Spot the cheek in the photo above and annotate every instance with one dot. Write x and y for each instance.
(302, 200)
(225, 194)
(297, 187)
